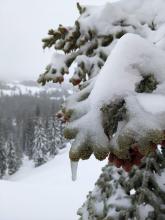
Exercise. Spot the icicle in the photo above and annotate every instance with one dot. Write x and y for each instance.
(74, 166)
(159, 147)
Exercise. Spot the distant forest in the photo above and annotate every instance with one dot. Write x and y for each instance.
(28, 126)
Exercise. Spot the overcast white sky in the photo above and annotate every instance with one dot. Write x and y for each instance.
(23, 23)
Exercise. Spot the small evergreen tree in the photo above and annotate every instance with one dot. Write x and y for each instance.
(2, 158)
(60, 140)
(2, 161)
(40, 146)
(12, 160)
(52, 137)
(2, 152)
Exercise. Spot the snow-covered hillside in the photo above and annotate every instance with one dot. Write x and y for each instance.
(47, 192)
(31, 88)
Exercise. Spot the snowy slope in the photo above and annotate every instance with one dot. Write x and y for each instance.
(47, 192)
(31, 88)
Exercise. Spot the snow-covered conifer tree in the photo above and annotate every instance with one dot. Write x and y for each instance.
(40, 145)
(2, 159)
(119, 53)
(61, 141)
(12, 159)
(55, 137)
(138, 194)
(2, 153)
(52, 137)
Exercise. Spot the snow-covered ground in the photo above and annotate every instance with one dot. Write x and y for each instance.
(16, 88)
(32, 88)
(47, 192)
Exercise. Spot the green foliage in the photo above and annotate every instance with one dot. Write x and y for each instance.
(70, 133)
(107, 40)
(120, 34)
(125, 196)
(80, 8)
(111, 115)
(148, 84)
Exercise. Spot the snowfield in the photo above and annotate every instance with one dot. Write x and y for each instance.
(31, 88)
(47, 192)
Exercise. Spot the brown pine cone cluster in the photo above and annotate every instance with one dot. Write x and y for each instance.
(134, 159)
